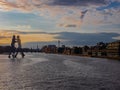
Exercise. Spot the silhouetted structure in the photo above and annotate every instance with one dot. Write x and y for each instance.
(19, 48)
(107, 50)
(12, 47)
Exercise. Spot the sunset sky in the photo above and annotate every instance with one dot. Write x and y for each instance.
(74, 22)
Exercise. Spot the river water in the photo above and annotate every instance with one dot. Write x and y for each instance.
(58, 72)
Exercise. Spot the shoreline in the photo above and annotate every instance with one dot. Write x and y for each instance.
(105, 57)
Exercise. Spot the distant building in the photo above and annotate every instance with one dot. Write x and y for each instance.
(85, 50)
(44, 49)
(67, 51)
(99, 50)
(76, 50)
(49, 49)
(61, 49)
(113, 49)
(52, 49)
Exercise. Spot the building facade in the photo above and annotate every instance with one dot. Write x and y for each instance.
(113, 49)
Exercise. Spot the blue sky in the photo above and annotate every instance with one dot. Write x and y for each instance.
(57, 16)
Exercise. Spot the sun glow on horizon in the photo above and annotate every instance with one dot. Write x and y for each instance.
(5, 37)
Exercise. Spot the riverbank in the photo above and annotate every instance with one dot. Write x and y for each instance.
(105, 57)
(111, 58)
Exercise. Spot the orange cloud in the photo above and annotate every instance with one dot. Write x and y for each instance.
(5, 37)
(7, 5)
(38, 38)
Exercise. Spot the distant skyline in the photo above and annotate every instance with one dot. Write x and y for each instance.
(74, 22)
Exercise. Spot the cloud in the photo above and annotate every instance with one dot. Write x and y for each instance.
(51, 6)
(67, 25)
(78, 2)
(79, 39)
(67, 38)
(35, 4)
(102, 18)
(1, 37)
(118, 37)
(23, 27)
(83, 14)
(71, 38)
(12, 32)
(82, 10)
(70, 22)
(6, 35)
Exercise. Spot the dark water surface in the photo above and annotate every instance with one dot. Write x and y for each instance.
(58, 72)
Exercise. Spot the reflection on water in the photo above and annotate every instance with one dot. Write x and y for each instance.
(16, 60)
(56, 72)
